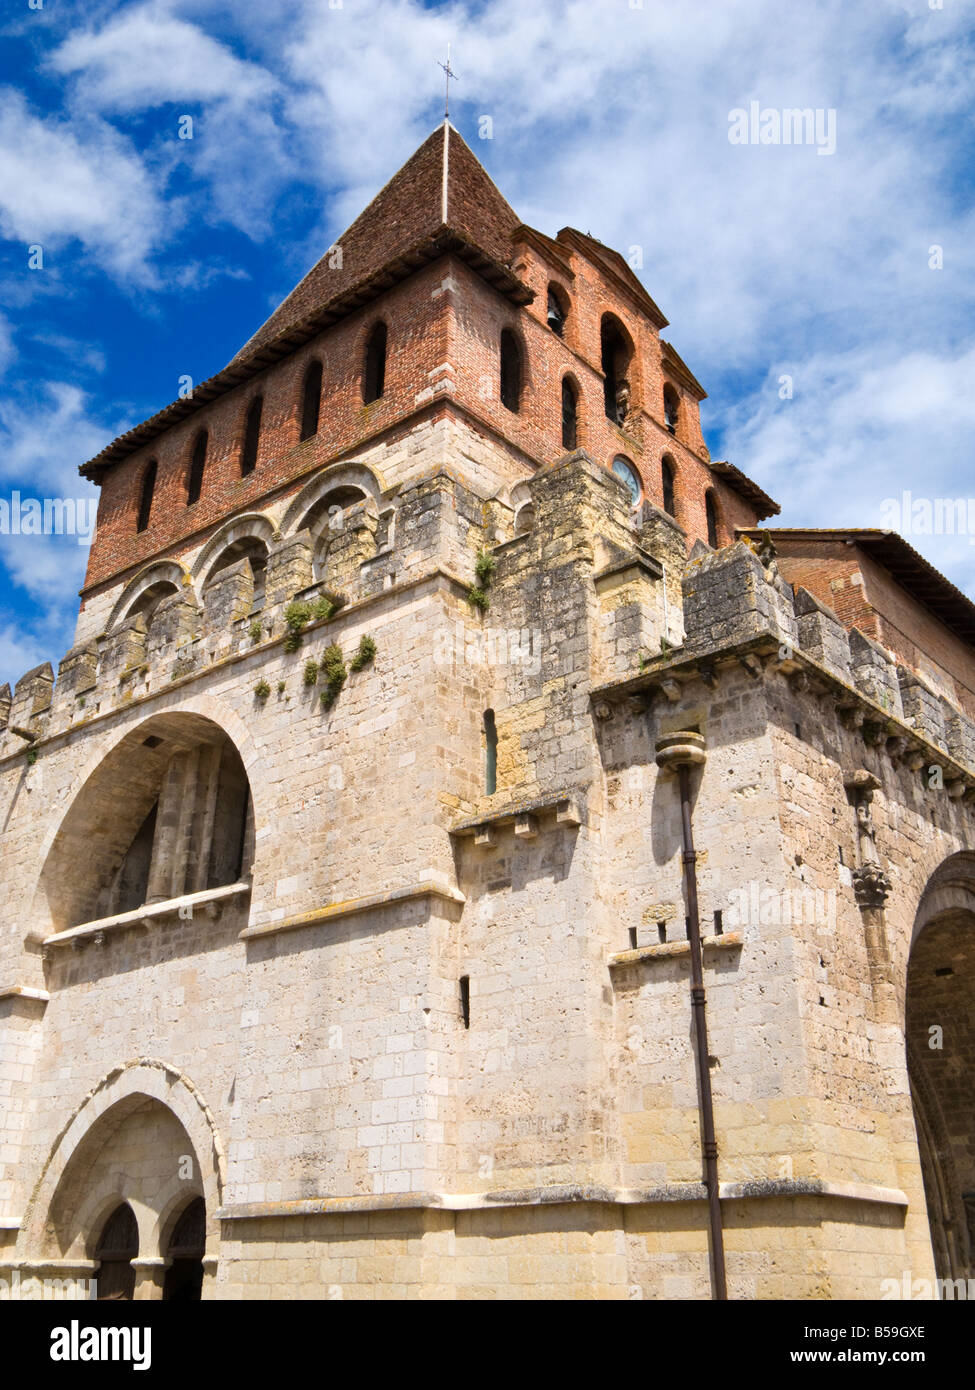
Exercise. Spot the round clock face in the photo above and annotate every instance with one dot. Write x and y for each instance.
(627, 472)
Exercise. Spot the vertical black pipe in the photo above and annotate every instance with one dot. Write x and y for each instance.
(699, 1009)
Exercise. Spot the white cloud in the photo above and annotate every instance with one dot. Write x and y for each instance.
(861, 429)
(42, 442)
(84, 182)
(20, 652)
(146, 57)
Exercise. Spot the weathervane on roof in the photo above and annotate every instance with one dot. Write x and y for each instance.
(449, 73)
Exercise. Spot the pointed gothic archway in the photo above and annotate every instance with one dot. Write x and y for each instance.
(940, 1037)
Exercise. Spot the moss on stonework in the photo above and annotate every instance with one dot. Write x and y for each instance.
(334, 670)
(365, 654)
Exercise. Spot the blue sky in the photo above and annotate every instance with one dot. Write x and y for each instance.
(161, 256)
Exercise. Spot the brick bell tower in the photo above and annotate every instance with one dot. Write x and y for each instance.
(344, 859)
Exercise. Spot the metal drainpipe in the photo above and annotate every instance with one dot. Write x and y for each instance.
(683, 751)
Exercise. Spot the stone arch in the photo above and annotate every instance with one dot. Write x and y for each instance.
(119, 787)
(170, 575)
(523, 507)
(337, 477)
(939, 1028)
(55, 1216)
(250, 526)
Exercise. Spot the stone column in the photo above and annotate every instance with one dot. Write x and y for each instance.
(176, 801)
(150, 1276)
(872, 888)
(201, 840)
(209, 1291)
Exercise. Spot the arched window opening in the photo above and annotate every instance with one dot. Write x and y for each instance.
(558, 310)
(326, 522)
(117, 1247)
(570, 414)
(311, 400)
(624, 470)
(374, 379)
(940, 987)
(254, 551)
(167, 813)
(187, 1245)
(524, 519)
(671, 409)
(150, 599)
(198, 463)
(490, 753)
(617, 354)
(146, 495)
(511, 372)
(667, 481)
(711, 512)
(252, 436)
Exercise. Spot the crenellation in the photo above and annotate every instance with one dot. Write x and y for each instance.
(922, 706)
(875, 673)
(822, 635)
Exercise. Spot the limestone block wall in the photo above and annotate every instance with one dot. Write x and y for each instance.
(473, 1004)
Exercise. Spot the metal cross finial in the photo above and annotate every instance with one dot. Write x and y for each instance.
(449, 73)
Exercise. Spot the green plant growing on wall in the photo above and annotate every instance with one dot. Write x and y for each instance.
(335, 673)
(311, 672)
(31, 757)
(484, 569)
(255, 631)
(262, 690)
(484, 573)
(282, 686)
(297, 616)
(323, 607)
(365, 654)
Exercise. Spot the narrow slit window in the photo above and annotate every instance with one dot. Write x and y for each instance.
(570, 415)
(671, 409)
(465, 1000)
(198, 463)
(252, 437)
(374, 380)
(490, 753)
(711, 512)
(667, 480)
(510, 371)
(311, 400)
(146, 495)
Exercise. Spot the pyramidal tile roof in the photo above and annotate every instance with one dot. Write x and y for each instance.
(440, 200)
(442, 186)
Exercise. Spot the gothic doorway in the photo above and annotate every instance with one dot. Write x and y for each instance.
(940, 1029)
(117, 1247)
(184, 1277)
